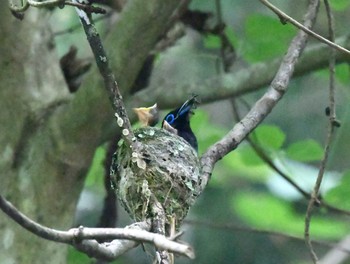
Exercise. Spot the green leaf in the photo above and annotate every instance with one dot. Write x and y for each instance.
(305, 150)
(212, 41)
(76, 257)
(249, 156)
(339, 195)
(339, 5)
(265, 38)
(206, 132)
(96, 172)
(269, 136)
(245, 164)
(342, 73)
(264, 211)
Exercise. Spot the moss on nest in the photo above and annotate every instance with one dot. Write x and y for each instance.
(166, 168)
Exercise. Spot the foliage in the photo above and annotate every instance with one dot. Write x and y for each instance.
(97, 169)
(305, 150)
(257, 28)
(266, 212)
(255, 205)
(339, 5)
(240, 189)
(339, 194)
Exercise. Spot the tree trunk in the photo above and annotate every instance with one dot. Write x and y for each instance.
(48, 136)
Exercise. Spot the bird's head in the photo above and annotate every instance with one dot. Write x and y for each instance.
(148, 116)
(180, 117)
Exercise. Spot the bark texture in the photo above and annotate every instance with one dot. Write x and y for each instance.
(48, 136)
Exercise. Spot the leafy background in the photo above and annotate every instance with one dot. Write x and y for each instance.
(245, 196)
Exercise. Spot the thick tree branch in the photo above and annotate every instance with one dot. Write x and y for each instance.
(84, 238)
(265, 104)
(237, 83)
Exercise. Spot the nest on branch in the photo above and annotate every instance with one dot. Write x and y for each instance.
(165, 171)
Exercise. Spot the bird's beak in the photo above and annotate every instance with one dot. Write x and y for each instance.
(169, 128)
(148, 116)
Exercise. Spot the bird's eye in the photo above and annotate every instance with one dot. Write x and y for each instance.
(170, 118)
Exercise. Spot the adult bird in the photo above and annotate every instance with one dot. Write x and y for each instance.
(178, 121)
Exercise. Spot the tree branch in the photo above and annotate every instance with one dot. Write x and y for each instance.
(110, 82)
(158, 226)
(336, 255)
(332, 123)
(236, 83)
(60, 3)
(264, 105)
(84, 238)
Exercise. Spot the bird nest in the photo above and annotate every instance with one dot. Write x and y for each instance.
(165, 170)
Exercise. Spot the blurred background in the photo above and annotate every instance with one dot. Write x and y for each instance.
(248, 213)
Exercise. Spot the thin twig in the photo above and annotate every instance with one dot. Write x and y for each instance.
(285, 18)
(332, 61)
(328, 142)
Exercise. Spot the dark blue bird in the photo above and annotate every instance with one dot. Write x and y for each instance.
(178, 122)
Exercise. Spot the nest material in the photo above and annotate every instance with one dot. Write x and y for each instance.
(165, 170)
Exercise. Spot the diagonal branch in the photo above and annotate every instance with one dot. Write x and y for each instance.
(110, 82)
(265, 104)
